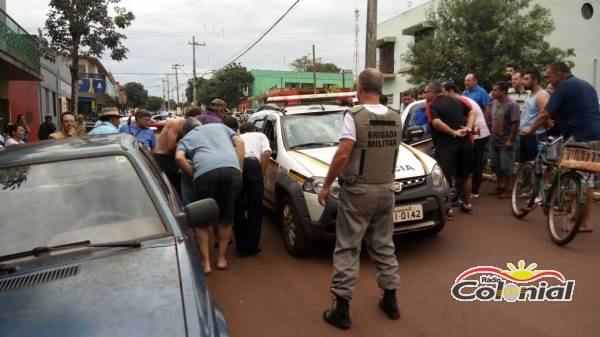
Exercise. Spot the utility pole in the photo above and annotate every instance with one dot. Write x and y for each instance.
(164, 99)
(168, 94)
(356, 29)
(371, 45)
(314, 68)
(176, 67)
(194, 44)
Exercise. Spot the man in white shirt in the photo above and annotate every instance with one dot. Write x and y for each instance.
(248, 216)
(518, 92)
(407, 98)
(364, 162)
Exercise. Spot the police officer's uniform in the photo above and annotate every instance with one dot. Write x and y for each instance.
(367, 202)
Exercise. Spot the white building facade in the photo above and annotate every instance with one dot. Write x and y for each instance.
(577, 25)
(55, 89)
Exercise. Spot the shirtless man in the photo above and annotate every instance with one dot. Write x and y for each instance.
(164, 153)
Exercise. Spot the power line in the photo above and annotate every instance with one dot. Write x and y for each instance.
(143, 74)
(169, 9)
(259, 12)
(264, 34)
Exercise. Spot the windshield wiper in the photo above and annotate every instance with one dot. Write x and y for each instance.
(8, 268)
(314, 144)
(37, 251)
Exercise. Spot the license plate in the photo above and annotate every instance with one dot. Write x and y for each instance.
(408, 213)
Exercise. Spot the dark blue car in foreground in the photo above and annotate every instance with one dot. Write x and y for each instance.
(94, 242)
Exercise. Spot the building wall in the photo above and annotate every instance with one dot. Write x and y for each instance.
(20, 74)
(24, 100)
(264, 80)
(572, 31)
(55, 90)
(96, 88)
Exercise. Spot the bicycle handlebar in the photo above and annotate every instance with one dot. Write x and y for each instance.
(554, 141)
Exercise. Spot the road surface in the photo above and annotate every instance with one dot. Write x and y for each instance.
(274, 294)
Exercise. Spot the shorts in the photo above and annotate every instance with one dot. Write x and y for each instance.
(594, 146)
(456, 160)
(224, 186)
(503, 160)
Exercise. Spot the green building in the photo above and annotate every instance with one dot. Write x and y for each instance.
(266, 80)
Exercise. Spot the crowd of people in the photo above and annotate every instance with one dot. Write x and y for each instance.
(210, 155)
(19, 132)
(505, 125)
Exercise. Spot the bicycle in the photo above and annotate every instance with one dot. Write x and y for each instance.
(563, 199)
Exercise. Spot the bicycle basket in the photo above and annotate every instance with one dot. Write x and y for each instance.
(581, 160)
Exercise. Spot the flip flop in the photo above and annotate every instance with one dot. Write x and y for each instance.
(586, 230)
(225, 267)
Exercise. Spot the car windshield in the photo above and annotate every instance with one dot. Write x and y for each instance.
(100, 199)
(312, 130)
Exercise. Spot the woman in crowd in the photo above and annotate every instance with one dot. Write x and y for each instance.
(17, 133)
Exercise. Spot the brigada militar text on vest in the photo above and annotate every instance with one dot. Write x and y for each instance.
(373, 159)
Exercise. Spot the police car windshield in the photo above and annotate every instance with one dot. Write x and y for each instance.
(312, 130)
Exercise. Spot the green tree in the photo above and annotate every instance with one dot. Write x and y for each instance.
(228, 84)
(173, 104)
(84, 27)
(482, 36)
(153, 103)
(188, 90)
(305, 63)
(136, 94)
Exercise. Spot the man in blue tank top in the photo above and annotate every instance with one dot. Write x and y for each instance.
(534, 104)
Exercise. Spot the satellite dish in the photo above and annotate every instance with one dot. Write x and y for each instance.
(410, 3)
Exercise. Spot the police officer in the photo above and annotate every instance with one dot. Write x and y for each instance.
(365, 163)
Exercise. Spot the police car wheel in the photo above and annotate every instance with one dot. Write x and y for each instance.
(296, 242)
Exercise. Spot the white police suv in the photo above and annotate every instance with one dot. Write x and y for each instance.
(304, 139)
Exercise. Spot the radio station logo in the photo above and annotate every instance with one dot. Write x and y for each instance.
(525, 283)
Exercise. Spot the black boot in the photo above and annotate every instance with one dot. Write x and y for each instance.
(340, 315)
(389, 305)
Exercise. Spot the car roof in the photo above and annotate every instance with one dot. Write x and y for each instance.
(301, 109)
(67, 149)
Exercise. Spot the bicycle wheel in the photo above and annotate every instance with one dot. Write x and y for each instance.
(565, 211)
(523, 192)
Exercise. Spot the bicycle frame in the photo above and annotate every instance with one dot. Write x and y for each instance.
(540, 165)
(539, 182)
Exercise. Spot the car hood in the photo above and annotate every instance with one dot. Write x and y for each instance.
(125, 293)
(411, 162)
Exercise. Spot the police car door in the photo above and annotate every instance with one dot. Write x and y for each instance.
(423, 142)
(270, 177)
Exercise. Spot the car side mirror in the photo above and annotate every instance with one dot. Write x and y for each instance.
(205, 212)
(414, 132)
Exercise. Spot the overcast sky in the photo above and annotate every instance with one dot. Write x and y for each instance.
(158, 37)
